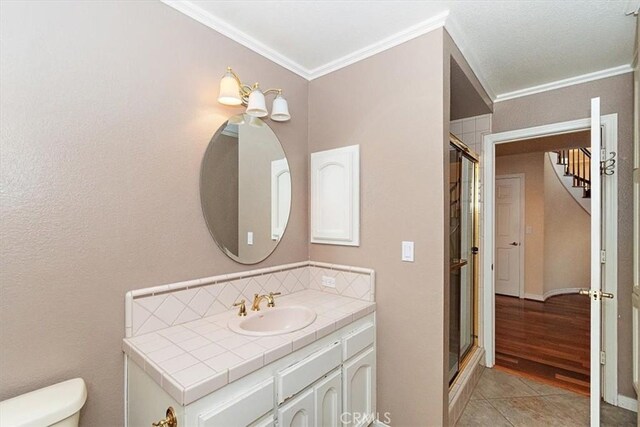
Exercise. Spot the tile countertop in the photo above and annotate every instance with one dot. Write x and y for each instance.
(196, 358)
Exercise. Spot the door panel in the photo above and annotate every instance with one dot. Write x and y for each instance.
(596, 227)
(508, 232)
(359, 398)
(328, 395)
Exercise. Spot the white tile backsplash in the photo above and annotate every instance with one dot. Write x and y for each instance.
(164, 306)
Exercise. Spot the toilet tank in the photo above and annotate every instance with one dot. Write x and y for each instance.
(55, 405)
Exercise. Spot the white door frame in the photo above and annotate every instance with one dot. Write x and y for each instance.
(521, 237)
(610, 141)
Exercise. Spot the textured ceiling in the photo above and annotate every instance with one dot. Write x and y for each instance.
(511, 44)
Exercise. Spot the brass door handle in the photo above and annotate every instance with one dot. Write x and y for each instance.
(169, 421)
(595, 294)
(514, 243)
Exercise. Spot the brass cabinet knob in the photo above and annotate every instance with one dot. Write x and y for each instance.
(169, 421)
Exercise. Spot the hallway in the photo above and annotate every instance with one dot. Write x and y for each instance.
(545, 339)
(502, 399)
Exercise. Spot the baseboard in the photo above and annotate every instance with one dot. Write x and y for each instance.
(562, 291)
(628, 403)
(534, 297)
(551, 293)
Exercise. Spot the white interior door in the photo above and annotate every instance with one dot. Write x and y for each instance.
(508, 232)
(595, 294)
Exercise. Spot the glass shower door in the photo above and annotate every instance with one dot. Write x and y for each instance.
(463, 250)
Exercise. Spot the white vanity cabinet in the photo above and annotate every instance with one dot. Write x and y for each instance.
(312, 387)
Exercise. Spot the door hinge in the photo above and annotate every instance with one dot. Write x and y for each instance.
(603, 358)
(603, 256)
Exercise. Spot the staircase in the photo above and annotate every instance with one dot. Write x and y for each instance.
(573, 167)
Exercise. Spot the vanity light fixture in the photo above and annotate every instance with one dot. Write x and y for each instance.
(234, 92)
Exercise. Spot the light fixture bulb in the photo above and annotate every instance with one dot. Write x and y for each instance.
(229, 90)
(280, 109)
(256, 106)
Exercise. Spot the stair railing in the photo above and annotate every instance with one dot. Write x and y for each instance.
(577, 165)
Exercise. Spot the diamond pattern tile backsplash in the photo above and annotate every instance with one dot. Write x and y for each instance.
(159, 309)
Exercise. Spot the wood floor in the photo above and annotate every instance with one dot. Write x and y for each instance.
(548, 340)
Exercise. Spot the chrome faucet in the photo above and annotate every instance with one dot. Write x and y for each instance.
(257, 299)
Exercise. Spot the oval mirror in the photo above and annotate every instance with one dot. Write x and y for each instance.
(245, 189)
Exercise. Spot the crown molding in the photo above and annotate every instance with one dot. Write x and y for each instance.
(195, 12)
(207, 19)
(609, 72)
(457, 35)
(424, 27)
(438, 21)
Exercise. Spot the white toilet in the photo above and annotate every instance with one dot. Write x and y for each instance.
(57, 405)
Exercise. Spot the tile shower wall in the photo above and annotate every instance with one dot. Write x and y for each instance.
(151, 309)
(471, 130)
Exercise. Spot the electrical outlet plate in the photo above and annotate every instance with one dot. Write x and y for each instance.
(329, 282)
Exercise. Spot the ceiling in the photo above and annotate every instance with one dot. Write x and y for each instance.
(512, 45)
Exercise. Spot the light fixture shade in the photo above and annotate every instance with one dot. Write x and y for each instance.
(280, 109)
(257, 106)
(229, 90)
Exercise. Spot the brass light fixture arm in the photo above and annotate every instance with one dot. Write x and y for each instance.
(245, 89)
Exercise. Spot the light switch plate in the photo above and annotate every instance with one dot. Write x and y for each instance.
(329, 282)
(250, 238)
(407, 251)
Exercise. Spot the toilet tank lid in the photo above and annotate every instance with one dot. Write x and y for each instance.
(44, 406)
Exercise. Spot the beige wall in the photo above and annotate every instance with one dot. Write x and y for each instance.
(401, 137)
(532, 166)
(220, 195)
(557, 249)
(254, 200)
(567, 236)
(107, 108)
(570, 103)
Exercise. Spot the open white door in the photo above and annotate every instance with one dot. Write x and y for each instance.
(595, 293)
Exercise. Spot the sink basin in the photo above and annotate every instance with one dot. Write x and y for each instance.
(273, 321)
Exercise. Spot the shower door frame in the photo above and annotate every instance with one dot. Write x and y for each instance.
(463, 359)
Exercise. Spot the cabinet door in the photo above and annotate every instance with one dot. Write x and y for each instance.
(299, 412)
(358, 392)
(335, 196)
(328, 397)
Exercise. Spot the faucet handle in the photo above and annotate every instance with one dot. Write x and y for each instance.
(243, 309)
(271, 300)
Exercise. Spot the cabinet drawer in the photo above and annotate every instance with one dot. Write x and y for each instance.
(241, 410)
(299, 376)
(358, 341)
(268, 421)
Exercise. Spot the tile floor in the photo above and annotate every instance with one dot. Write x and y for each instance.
(501, 399)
